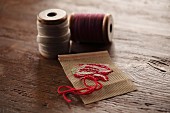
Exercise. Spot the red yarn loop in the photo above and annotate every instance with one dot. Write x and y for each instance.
(89, 88)
(64, 90)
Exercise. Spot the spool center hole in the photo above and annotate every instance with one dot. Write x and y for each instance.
(110, 27)
(51, 14)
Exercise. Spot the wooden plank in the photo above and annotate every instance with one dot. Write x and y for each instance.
(141, 45)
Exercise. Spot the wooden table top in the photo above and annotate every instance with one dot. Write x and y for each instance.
(141, 48)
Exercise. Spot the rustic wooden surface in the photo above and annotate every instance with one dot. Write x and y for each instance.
(141, 48)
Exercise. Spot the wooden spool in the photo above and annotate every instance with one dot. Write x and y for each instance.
(53, 33)
(52, 16)
(107, 29)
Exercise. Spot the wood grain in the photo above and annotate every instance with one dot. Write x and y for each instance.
(141, 48)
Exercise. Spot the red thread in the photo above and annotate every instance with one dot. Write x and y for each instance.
(81, 91)
(87, 28)
(95, 69)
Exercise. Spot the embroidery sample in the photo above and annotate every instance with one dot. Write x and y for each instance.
(118, 82)
(99, 71)
(92, 72)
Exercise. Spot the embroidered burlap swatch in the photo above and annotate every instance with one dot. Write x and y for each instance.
(118, 83)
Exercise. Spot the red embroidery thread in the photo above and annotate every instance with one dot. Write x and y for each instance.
(92, 72)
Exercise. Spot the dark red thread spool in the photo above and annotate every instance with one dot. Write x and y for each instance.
(91, 28)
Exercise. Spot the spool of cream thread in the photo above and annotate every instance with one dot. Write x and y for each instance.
(53, 33)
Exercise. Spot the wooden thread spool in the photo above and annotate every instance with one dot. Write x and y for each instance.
(52, 16)
(106, 28)
(53, 33)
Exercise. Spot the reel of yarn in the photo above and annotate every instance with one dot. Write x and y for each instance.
(91, 28)
(53, 33)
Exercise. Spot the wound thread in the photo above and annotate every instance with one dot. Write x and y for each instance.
(53, 33)
(91, 28)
